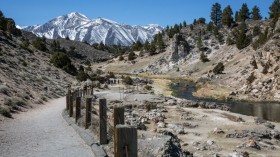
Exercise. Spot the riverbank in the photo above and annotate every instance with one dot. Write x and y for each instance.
(203, 132)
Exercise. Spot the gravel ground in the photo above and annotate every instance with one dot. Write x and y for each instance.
(41, 132)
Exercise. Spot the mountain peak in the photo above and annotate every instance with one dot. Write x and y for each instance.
(79, 27)
(75, 15)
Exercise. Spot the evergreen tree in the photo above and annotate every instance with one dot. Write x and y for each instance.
(199, 44)
(210, 26)
(256, 15)
(131, 56)
(147, 46)
(244, 13)
(153, 49)
(242, 40)
(216, 14)
(274, 9)
(180, 26)
(1, 14)
(237, 17)
(201, 21)
(194, 22)
(227, 18)
(159, 41)
(55, 46)
(184, 24)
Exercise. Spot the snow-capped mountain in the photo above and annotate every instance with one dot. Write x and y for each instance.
(78, 27)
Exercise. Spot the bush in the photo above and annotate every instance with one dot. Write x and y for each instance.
(62, 61)
(203, 57)
(24, 63)
(147, 87)
(39, 44)
(82, 76)
(5, 112)
(131, 56)
(121, 58)
(219, 68)
(128, 80)
(4, 89)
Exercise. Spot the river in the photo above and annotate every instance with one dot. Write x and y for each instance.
(265, 110)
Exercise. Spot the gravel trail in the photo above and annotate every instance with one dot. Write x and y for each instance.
(41, 132)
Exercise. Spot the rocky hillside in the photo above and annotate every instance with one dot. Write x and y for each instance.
(26, 74)
(250, 73)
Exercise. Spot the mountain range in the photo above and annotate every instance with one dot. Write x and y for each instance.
(79, 27)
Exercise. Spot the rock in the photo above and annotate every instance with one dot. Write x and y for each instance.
(218, 131)
(179, 48)
(161, 124)
(251, 143)
(264, 122)
(275, 134)
(141, 126)
(210, 142)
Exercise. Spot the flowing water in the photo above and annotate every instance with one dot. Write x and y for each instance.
(265, 110)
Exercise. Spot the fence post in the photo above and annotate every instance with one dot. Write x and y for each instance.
(78, 108)
(103, 121)
(67, 101)
(126, 141)
(88, 113)
(71, 105)
(118, 115)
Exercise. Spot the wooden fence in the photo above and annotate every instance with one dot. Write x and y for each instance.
(123, 136)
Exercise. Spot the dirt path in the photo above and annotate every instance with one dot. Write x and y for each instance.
(41, 132)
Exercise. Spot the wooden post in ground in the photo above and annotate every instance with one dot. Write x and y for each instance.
(118, 115)
(78, 108)
(126, 141)
(67, 101)
(103, 121)
(71, 105)
(88, 113)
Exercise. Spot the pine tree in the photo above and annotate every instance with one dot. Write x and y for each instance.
(194, 22)
(274, 9)
(199, 44)
(256, 15)
(201, 21)
(147, 46)
(210, 26)
(227, 18)
(184, 24)
(203, 57)
(242, 40)
(244, 13)
(216, 14)
(1, 14)
(180, 26)
(131, 56)
(237, 17)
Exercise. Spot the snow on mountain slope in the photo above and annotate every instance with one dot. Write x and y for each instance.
(78, 27)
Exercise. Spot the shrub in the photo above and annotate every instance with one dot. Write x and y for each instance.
(147, 87)
(128, 80)
(82, 76)
(61, 60)
(203, 57)
(219, 68)
(24, 63)
(5, 112)
(121, 58)
(39, 44)
(131, 56)
(4, 89)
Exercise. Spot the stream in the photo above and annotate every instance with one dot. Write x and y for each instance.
(265, 110)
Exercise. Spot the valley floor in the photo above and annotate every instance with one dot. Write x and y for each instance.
(41, 132)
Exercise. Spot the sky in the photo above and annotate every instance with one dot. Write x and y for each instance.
(132, 12)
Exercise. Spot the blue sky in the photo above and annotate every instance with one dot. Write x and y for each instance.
(133, 12)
